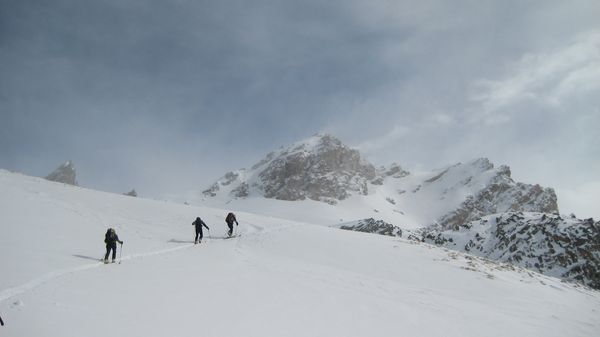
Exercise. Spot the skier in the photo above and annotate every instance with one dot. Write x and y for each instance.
(229, 220)
(199, 223)
(111, 239)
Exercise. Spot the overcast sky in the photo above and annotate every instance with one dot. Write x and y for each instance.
(166, 96)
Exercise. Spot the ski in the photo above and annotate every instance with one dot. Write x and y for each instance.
(107, 262)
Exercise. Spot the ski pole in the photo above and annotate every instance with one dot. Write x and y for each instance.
(120, 253)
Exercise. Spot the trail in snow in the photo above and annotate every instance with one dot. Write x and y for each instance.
(14, 291)
(30, 285)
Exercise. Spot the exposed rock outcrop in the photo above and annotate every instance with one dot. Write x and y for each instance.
(501, 194)
(547, 243)
(65, 173)
(567, 248)
(131, 193)
(371, 225)
(320, 168)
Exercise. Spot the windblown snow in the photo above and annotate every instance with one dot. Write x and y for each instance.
(278, 278)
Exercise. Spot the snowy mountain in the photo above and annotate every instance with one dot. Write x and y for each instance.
(342, 189)
(567, 248)
(492, 191)
(323, 169)
(65, 174)
(500, 194)
(320, 168)
(278, 278)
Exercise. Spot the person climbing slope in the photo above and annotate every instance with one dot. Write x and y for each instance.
(111, 239)
(230, 219)
(199, 223)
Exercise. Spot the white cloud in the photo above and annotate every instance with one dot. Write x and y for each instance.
(583, 200)
(547, 78)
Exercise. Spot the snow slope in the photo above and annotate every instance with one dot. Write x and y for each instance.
(279, 278)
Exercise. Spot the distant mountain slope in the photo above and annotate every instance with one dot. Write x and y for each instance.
(65, 173)
(323, 169)
(567, 248)
(320, 168)
(490, 191)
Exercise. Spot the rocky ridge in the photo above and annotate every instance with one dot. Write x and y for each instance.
(568, 248)
(563, 247)
(322, 168)
(65, 173)
(131, 193)
(500, 194)
(371, 225)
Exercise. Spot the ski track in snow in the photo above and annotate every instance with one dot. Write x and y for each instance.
(14, 291)
(32, 284)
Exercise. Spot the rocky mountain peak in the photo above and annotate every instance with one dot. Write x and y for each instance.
(319, 168)
(65, 173)
(499, 194)
(322, 168)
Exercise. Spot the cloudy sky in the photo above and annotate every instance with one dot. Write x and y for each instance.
(165, 96)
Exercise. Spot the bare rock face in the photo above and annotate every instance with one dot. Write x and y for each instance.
(371, 225)
(395, 171)
(65, 173)
(131, 193)
(501, 194)
(226, 180)
(567, 248)
(547, 243)
(320, 168)
(327, 169)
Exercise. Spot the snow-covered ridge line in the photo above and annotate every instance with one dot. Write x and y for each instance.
(567, 248)
(323, 169)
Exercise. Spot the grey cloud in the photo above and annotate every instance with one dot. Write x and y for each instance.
(133, 91)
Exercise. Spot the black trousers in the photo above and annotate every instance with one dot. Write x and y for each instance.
(114, 251)
(199, 234)
(230, 225)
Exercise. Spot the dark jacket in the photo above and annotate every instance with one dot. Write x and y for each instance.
(199, 223)
(231, 218)
(111, 238)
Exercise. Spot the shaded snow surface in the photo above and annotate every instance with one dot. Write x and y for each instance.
(279, 278)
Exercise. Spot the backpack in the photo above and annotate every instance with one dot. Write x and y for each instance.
(108, 236)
